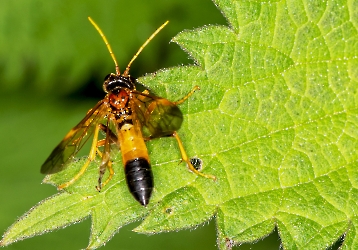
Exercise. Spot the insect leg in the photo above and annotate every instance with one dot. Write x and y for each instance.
(187, 160)
(187, 96)
(111, 173)
(113, 138)
(90, 158)
(109, 166)
(105, 163)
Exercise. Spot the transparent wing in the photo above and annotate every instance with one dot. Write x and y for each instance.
(74, 140)
(161, 116)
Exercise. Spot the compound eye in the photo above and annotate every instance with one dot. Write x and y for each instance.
(106, 77)
(107, 80)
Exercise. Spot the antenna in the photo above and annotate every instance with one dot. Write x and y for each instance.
(126, 72)
(107, 44)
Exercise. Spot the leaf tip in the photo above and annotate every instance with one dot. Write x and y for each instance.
(4, 242)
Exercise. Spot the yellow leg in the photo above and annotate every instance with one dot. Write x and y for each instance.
(187, 96)
(106, 162)
(186, 159)
(111, 173)
(90, 158)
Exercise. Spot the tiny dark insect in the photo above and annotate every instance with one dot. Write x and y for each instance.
(197, 163)
(121, 115)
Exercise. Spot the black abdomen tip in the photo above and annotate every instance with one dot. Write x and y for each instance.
(139, 179)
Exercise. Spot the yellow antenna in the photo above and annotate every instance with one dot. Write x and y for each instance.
(107, 44)
(126, 72)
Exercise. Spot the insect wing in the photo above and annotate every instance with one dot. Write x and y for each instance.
(74, 140)
(161, 116)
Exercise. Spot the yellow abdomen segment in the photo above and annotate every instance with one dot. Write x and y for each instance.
(131, 143)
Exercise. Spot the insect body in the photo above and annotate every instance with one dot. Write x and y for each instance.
(121, 115)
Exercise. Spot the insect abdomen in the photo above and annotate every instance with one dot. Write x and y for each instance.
(135, 158)
(139, 179)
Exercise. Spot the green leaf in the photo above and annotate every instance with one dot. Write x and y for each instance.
(72, 208)
(276, 121)
(182, 208)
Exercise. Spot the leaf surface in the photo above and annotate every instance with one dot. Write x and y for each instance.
(276, 121)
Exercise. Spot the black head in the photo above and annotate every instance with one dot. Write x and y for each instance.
(113, 82)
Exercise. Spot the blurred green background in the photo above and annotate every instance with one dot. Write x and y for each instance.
(52, 63)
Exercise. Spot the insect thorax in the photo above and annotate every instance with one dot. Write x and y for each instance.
(121, 108)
